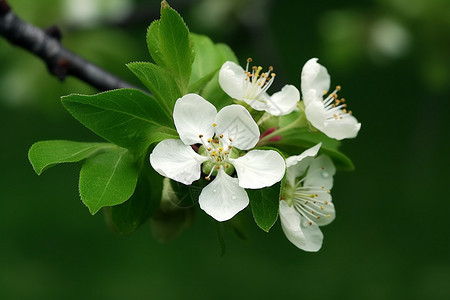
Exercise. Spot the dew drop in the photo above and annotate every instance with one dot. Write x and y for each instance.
(214, 191)
(233, 197)
(325, 174)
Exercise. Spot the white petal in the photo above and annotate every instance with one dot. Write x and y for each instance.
(231, 80)
(298, 231)
(171, 158)
(316, 114)
(193, 116)
(339, 129)
(284, 101)
(315, 77)
(297, 164)
(260, 104)
(320, 172)
(223, 198)
(235, 122)
(259, 168)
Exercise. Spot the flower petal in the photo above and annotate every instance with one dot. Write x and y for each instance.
(175, 160)
(297, 164)
(259, 168)
(231, 79)
(321, 172)
(235, 122)
(298, 231)
(284, 101)
(316, 114)
(260, 103)
(345, 128)
(193, 116)
(223, 198)
(314, 77)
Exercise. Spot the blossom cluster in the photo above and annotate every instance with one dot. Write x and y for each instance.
(223, 147)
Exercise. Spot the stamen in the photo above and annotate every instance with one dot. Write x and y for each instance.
(214, 124)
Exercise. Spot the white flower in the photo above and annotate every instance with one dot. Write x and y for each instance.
(329, 115)
(251, 87)
(221, 136)
(306, 204)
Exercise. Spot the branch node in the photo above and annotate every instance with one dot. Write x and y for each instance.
(54, 32)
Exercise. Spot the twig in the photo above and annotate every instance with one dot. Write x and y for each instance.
(46, 45)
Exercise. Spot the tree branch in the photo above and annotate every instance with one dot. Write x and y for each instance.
(46, 45)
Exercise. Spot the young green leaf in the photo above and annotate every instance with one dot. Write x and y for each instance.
(153, 43)
(126, 117)
(297, 140)
(46, 154)
(208, 60)
(170, 46)
(159, 82)
(108, 179)
(128, 216)
(265, 204)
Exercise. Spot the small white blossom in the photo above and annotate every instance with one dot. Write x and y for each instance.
(251, 87)
(306, 203)
(328, 114)
(220, 136)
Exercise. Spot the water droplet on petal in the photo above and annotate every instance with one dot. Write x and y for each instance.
(325, 174)
(233, 197)
(214, 191)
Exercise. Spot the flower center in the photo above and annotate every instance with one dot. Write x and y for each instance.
(336, 108)
(257, 83)
(218, 152)
(309, 201)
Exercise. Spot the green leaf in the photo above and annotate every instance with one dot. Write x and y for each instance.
(129, 216)
(167, 225)
(170, 46)
(214, 93)
(46, 154)
(265, 204)
(108, 179)
(153, 43)
(297, 140)
(159, 82)
(208, 60)
(126, 117)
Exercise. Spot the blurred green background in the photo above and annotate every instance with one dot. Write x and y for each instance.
(391, 237)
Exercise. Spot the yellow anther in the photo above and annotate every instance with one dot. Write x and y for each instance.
(310, 223)
(214, 124)
(273, 74)
(249, 60)
(226, 152)
(209, 148)
(200, 135)
(324, 92)
(316, 195)
(313, 212)
(230, 139)
(208, 178)
(229, 147)
(342, 100)
(350, 112)
(218, 159)
(326, 202)
(323, 168)
(338, 87)
(322, 187)
(322, 207)
(271, 69)
(227, 166)
(329, 192)
(220, 149)
(217, 167)
(214, 153)
(329, 216)
(221, 136)
(209, 140)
